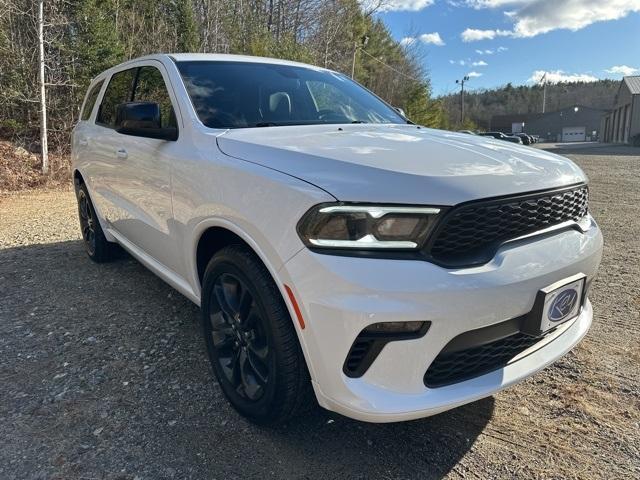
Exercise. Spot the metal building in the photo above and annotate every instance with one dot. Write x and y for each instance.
(576, 123)
(622, 123)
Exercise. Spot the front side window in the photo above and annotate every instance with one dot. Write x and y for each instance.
(150, 87)
(244, 94)
(91, 101)
(118, 91)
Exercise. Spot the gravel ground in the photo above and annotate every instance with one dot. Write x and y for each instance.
(104, 376)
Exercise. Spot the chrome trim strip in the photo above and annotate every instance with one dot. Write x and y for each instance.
(376, 211)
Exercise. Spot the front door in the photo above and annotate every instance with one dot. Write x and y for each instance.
(140, 184)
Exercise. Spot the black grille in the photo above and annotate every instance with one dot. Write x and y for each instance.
(453, 367)
(472, 233)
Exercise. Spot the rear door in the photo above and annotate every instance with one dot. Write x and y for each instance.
(83, 130)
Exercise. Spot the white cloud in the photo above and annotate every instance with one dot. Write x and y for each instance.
(484, 52)
(492, 3)
(502, 49)
(560, 76)
(479, 63)
(407, 41)
(473, 35)
(474, 74)
(397, 5)
(535, 17)
(623, 70)
(432, 38)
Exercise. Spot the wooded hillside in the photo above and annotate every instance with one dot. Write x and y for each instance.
(481, 105)
(85, 37)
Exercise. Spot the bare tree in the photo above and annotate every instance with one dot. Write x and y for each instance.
(43, 98)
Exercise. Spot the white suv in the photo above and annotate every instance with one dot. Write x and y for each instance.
(337, 251)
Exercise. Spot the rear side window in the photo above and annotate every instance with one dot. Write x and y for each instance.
(91, 101)
(150, 87)
(118, 91)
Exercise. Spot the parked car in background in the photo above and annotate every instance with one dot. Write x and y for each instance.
(502, 136)
(513, 139)
(498, 135)
(337, 251)
(526, 139)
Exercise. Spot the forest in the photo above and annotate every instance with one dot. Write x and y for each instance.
(59, 49)
(81, 38)
(481, 105)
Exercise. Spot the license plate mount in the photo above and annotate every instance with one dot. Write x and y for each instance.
(556, 304)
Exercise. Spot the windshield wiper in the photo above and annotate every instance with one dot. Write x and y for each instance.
(359, 121)
(266, 124)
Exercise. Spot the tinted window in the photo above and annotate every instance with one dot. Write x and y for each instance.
(90, 102)
(150, 87)
(239, 94)
(118, 91)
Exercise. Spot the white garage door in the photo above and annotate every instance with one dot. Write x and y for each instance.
(574, 134)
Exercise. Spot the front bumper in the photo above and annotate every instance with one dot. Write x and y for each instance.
(340, 296)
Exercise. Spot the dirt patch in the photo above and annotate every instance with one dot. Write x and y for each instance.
(21, 169)
(104, 375)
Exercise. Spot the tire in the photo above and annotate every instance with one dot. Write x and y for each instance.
(95, 243)
(251, 340)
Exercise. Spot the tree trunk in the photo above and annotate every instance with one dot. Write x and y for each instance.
(43, 98)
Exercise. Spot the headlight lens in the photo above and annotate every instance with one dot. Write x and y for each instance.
(367, 227)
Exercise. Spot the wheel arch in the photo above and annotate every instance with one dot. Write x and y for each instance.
(77, 178)
(211, 241)
(216, 234)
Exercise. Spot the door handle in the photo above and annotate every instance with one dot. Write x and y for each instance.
(83, 142)
(122, 154)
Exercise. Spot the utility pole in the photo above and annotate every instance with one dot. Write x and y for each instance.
(461, 83)
(43, 99)
(363, 43)
(544, 91)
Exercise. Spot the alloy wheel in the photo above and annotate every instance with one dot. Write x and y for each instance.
(238, 336)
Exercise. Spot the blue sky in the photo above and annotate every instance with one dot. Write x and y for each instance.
(518, 40)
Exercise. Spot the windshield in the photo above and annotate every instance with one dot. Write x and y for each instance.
(243, 94)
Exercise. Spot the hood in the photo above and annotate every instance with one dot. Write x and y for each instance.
(400, 163)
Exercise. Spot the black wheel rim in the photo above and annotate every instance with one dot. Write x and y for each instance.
(87, 222)
(238, 337)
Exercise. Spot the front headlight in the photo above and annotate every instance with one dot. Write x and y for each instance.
(367, 227)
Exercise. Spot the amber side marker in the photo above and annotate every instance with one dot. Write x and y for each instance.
(296, 308)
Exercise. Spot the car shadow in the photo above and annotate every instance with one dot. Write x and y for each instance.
(105, 367)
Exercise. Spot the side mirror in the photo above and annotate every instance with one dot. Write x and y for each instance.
(142, 119)
(400, 111)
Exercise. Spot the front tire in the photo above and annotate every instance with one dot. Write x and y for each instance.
(251, 340)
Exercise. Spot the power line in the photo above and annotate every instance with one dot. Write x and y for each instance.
(389, 66)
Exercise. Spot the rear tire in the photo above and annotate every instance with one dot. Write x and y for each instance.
(251, 340)
(95, 243)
